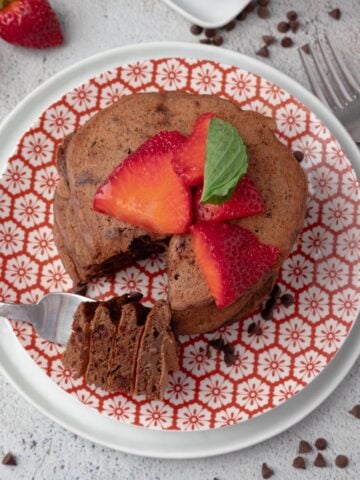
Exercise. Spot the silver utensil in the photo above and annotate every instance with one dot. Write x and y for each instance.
(333, 83)
(51, 317)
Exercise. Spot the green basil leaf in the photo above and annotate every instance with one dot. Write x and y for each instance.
(226, 162)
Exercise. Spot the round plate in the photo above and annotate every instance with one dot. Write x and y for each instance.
(323, 284)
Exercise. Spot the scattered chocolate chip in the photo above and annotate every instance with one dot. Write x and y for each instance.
(336, 13)
(299, 462)
(263, 12)
(320, 444)
(287, 42)
(267, 313)
(263, 52)
(9, 459)
(283, 27)
(251, 7)
(230, 358)
(341, 461)
(135, 296)
(306, 48)
(304, 447)
(320, 461)
(299, 155)
(287, 300)
(196, 29)
(292, 15)
(252, 328)
(217, 343)
(228, 348)
(242, 15)
(218, 40)
(276, 291)
(263, 3)
(355, 411)
(268, 39)
(230, 26)
(210, 32)
(266, 471)
(294, 26)
(206, 41)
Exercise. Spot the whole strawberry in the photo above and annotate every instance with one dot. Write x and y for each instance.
(29, 23)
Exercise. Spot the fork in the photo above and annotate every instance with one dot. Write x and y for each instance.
(51, 317)
(333, 83)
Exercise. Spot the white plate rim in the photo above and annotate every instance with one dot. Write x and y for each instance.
(66, 410)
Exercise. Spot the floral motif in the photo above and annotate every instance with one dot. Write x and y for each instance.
(348, 245)
(155, 263)
(230, 416)
(29, 210)
(24, 332)
(206, 79)
(241, 86)
(311, 148)
(131, 280)
(156, 415)
(83, 98)
(298, 271)
(160, 287)
(333, 274)
(346, 304)
(180, 389)
(285, 391)
(59, 121)
(7, 294)
(196, 360)
(21, 272)
(11, 238)
(41, 244)
(274, 365)
(330, 335)
(243, 366)
(112, 94)
(17, 177)
(120, 408)
(137, 74)
(264, 335)
(323, 183)
(317, 242)
(87, 398)
(313, 304)
(335, 156)
(291, 119)
(253, 394)
(350, 185)
(46, 180)
(272, 93)
(5, 204)
(63, 376)
(295, 335)
(193, 417)
(215, 391)
(54, 277)
(308, 365)
(37, 148)
(338, 214)
(171, 74)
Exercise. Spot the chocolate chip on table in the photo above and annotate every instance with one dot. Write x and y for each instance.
(299, 462)
(355, 411)
(298, 154)
(292, 15)
(217, 343)
(230, 26)
(196, 29)
(287, 299)
(287, 42)
(321, 444)
(263, 52)
(283, 27)
(336, 13)
(263, 3)
(304, 446)
(9, 459)
(263, 12)
(210, 32)
(218, 40)
(320, 461)
(268, 39)
(341, 461)
(251, 7)
(206, 41)
(266, 471)
(294, 26)
(242, 15)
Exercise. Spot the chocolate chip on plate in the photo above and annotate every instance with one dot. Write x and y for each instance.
(228, 348)
(294, 26)
(287, 299)
(267, 313)
(341, 461)
(321, 444)
(252, 328)
(320, 461)
(230, 26)
(230, 358)
(299, 462)
(276, 291)
(9, 459)
(298, 154)
(336, 13)
(217, 343)
(292, 15)
(304, 446)
(263, 12)
(355, 411)
(196, 29)
(210, 32)
(283, 27)
(263, 52)
(218, 40)
(266, 471)
(287, 42)
(268, 39)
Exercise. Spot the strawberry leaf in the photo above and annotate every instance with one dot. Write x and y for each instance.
(226, 162)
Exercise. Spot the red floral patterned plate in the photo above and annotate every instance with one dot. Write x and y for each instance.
(322, 273)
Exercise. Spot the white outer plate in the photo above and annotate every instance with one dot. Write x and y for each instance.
(208, 13)
(45, 395)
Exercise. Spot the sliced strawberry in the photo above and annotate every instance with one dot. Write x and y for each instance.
(189, 161)
(145, 191)
(29, 23)
(245, 201)
(231, 258)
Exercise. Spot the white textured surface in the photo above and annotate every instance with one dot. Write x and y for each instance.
(43, 449)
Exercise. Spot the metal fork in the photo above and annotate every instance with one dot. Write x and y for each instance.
(51, 317)
(333, 83)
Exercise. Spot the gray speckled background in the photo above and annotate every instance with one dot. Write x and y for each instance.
(43, 449)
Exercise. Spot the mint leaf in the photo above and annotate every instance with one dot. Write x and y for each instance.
(226, 162)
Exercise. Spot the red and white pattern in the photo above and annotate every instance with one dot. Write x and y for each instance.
(286, 353)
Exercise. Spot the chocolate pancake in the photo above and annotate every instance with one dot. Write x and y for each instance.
(91, 243)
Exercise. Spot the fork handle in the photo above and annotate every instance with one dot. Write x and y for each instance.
(19, 312)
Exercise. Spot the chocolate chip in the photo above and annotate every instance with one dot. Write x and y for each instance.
(294, 26)
(268, 39)
(355, 411)
(299, 462)
(206, 41)
(9, 459)
(267, 313)
(287, 299)
(320, 461)
(304, 447)
(230, 358)
(135, 296)
(298, 154)
(283, 27)
(210, 32)
(228, 348)
(266, 471)
(321, 444)
(306, 49)
(276, 291)
(263, 3)
(196, 29)
(336, 13)
(218, 40)
(263, 52)
(263, 12)
(252, 328)
(341, 461)
(251, 7)
(217, 343)
(230, 26)
(242, 15)
(292, 15)
(286, 42)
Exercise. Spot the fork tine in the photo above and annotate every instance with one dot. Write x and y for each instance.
(351, 82)
(338, 81)
(315, 87)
